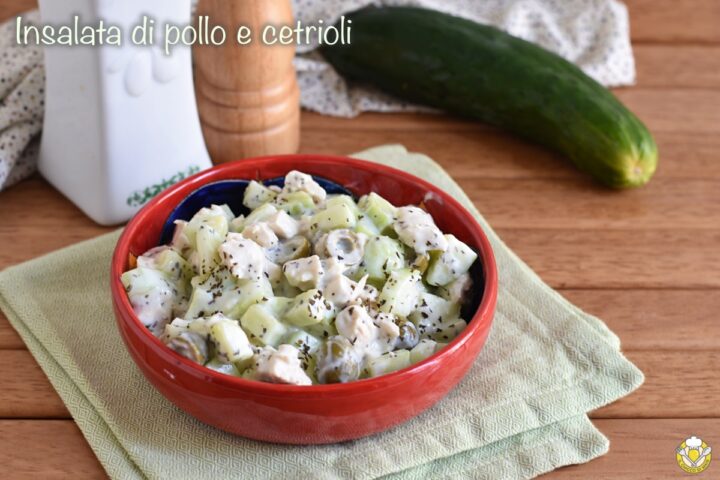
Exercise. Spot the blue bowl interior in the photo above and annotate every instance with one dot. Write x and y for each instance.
(230, 193)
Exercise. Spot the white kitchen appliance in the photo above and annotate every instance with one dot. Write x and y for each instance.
(121, 123)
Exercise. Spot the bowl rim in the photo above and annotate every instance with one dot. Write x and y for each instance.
(485, 309)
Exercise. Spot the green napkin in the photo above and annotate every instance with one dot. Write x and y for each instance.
(521, 410)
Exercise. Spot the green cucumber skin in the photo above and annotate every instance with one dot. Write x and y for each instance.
(480, 72)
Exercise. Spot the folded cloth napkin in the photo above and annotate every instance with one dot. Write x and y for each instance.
(592, 33)
(520, 412)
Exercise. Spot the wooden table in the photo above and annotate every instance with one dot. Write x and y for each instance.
(646, 261)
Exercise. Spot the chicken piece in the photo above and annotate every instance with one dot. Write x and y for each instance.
(356, 325)
(280, 366)
(273, 272)
(297, 181)
(244, 258)
(388, 332)
(304, 273)
(342, 291)
(262, 234)
(283, 224)
(416, 228)
(148, 259)
(457, 289)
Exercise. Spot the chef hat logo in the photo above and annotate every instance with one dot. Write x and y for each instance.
(693, 455)
(693, 442)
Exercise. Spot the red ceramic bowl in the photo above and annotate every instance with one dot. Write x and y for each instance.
(318, 413)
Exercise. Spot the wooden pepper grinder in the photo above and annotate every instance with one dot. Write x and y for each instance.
(248, 97)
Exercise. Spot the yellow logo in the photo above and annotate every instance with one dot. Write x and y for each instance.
(693, 455)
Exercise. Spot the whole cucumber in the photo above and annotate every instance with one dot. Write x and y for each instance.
(478, 71)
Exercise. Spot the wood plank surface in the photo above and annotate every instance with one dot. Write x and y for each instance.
(677, 259)
(489, 154)
(26, 391)
(49, 449)
(680, 66)
(694, 21)
(644, 450)
(640, 449)
(9, 339)
(656, 320)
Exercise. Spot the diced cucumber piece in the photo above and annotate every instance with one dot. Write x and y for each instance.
(401, 292)
(303, 341)
(423, 350)
(257, 194)
(277, 305)
(380, 211)
(331, 218)
(382, 256)
(295, 203)
(323, 330)
(448, 331)
(222, 367)
(389, 362)
(249, 293)
(154, 298)
(173, 265)
(200, 304)
(367, 226)
(215, 217)
(208, 238)
(347, 200)
(310, 308)
(231, 342)
(451, 264)
(262, 324)
(139, 281)
(433, 311)
(260, 214)
(220, 293)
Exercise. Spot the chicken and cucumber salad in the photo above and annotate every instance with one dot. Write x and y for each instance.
(308, 288)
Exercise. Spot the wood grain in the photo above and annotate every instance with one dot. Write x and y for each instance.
(681, 66)
(543, 204)
(49, 449)
(674, 21)
(640, 449)
(485, 153)
(10, 8)
(696, 372)
(9, 339)
(25, 391)
(672, 259)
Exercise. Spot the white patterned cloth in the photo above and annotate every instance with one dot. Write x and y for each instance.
(594, 34)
